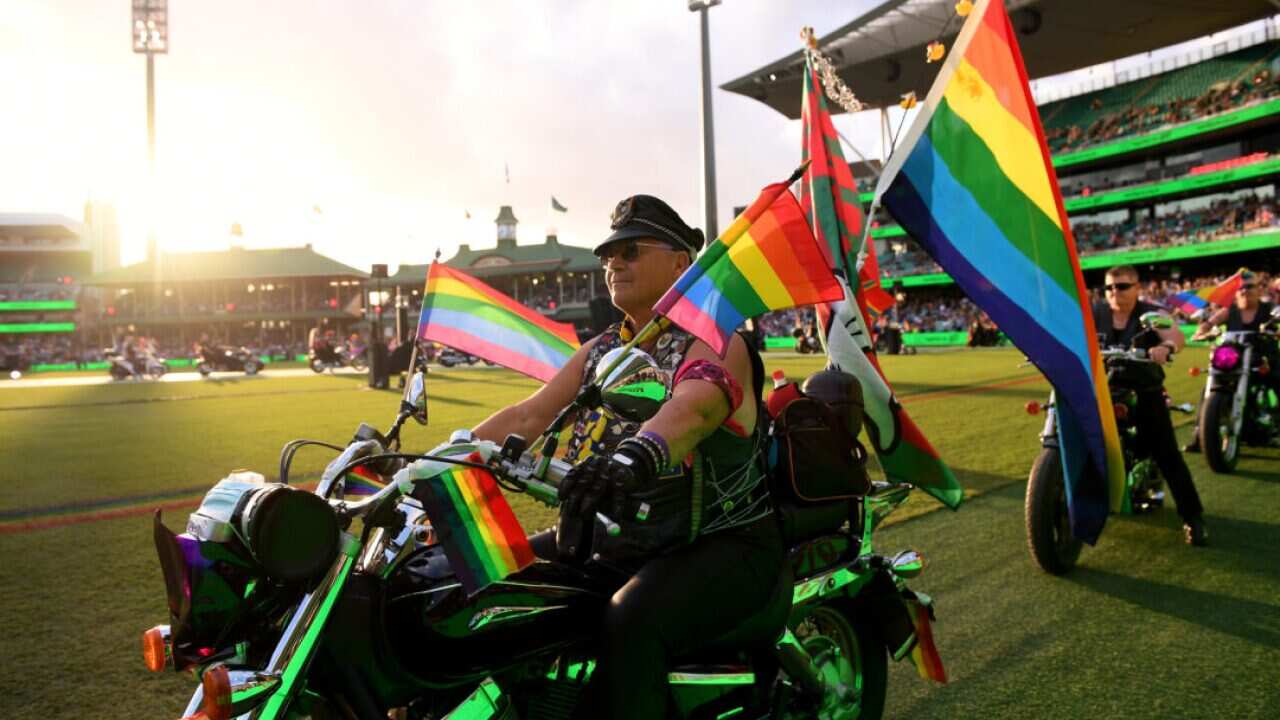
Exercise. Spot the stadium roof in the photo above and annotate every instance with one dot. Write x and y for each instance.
(46, 224)
(507, 259)
(880, 55)
(234, 264)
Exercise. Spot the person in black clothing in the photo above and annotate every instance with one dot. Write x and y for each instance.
(1118, 325)
(686, 578)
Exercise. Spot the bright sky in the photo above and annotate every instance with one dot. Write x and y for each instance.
(369, 129)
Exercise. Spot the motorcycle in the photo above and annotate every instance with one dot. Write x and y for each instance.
(1237, 406)
(145, 365)
(450, 357)
(1053, 547)
(807, 341)
(224, 358)
(321, 359)
(291, 604)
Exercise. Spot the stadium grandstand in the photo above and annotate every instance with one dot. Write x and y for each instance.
(43, 259)
(266, 299)
(1172, 168)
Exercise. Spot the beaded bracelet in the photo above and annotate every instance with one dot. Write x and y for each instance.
(659, 444)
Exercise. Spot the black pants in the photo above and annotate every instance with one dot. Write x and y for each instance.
(1155, 433)
(676, 604)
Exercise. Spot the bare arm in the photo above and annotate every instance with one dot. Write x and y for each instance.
(698, 407)
(1218, 317)
(531, 416)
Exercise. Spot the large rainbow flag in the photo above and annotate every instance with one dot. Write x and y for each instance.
(830, 201)
(973, 184)
(1222, 294)
(766, 260)
(464, 313)
(477, 529)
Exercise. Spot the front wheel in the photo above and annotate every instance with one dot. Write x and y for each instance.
(1218, 442)
(251, 367)
(204, 369)
(847, 654)
(1049, 536)
(156, 371)
(316, 365)
(359, 364)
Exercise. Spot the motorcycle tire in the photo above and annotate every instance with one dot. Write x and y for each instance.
(849, 653)
(118, 373)
(204, 369)
(156, 373)
(316, 366)
(1221, 449)
(1049, 537)
(252, 367)
(358, 363)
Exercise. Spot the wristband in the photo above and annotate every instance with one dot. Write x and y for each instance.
(659, 444)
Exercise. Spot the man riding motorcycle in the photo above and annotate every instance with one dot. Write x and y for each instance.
(691, 583)
(1249, 313)
(1117, 325)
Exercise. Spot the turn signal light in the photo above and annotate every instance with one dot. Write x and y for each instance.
(217, 693)
(155, 648)
(1193, 371)
(1032, 407)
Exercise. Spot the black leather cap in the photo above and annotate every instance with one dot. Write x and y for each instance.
(645, 216)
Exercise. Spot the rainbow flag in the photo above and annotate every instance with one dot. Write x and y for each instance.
(830, 201)
(829, 198)
(1191, 302)
(766, 260)
(361, 481)
(973, 184)
(1224, 293)
(464, 313)
(480, 534)
(925, 654)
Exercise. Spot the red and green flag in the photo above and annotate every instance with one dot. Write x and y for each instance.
(832, 204)
(973, 184)
(477, 529)
(829, 197)
(468, 315)
(766, 260)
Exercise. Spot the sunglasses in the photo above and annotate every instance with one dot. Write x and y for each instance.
(628, 250)
(1116, 287)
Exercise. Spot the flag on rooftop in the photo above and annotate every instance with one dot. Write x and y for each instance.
(468, 315)
(766, 260)
(555, 205)
(972, 182)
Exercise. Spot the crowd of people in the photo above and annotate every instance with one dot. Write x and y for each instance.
(1138, 118)
(35, 293)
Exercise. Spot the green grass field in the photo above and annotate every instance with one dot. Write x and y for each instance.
(1146, 627)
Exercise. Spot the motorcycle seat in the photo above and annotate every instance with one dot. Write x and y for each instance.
(806, 522)
(758, 631)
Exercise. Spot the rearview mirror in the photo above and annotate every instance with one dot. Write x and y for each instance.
(415, 398)
(1156, 321)
(636, 388)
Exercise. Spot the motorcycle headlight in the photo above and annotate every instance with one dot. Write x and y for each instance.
(1225, 357)
(293, 534)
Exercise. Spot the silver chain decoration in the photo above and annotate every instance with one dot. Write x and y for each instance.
(837, 91)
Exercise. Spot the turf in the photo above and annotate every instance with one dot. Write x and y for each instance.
(1146, 627)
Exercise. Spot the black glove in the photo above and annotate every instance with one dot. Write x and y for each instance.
(605, 479)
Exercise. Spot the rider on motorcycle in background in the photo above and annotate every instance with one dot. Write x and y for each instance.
(1249, 313)
(686, 592)
(322, 345)
(1118, 324)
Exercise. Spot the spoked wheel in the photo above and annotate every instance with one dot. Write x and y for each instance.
(1049, 536)
(851, 662)
(1221, 447)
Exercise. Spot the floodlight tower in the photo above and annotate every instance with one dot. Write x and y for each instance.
(150, 31)
(708, 132)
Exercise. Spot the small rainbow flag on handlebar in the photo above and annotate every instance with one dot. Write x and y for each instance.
(480, 534)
